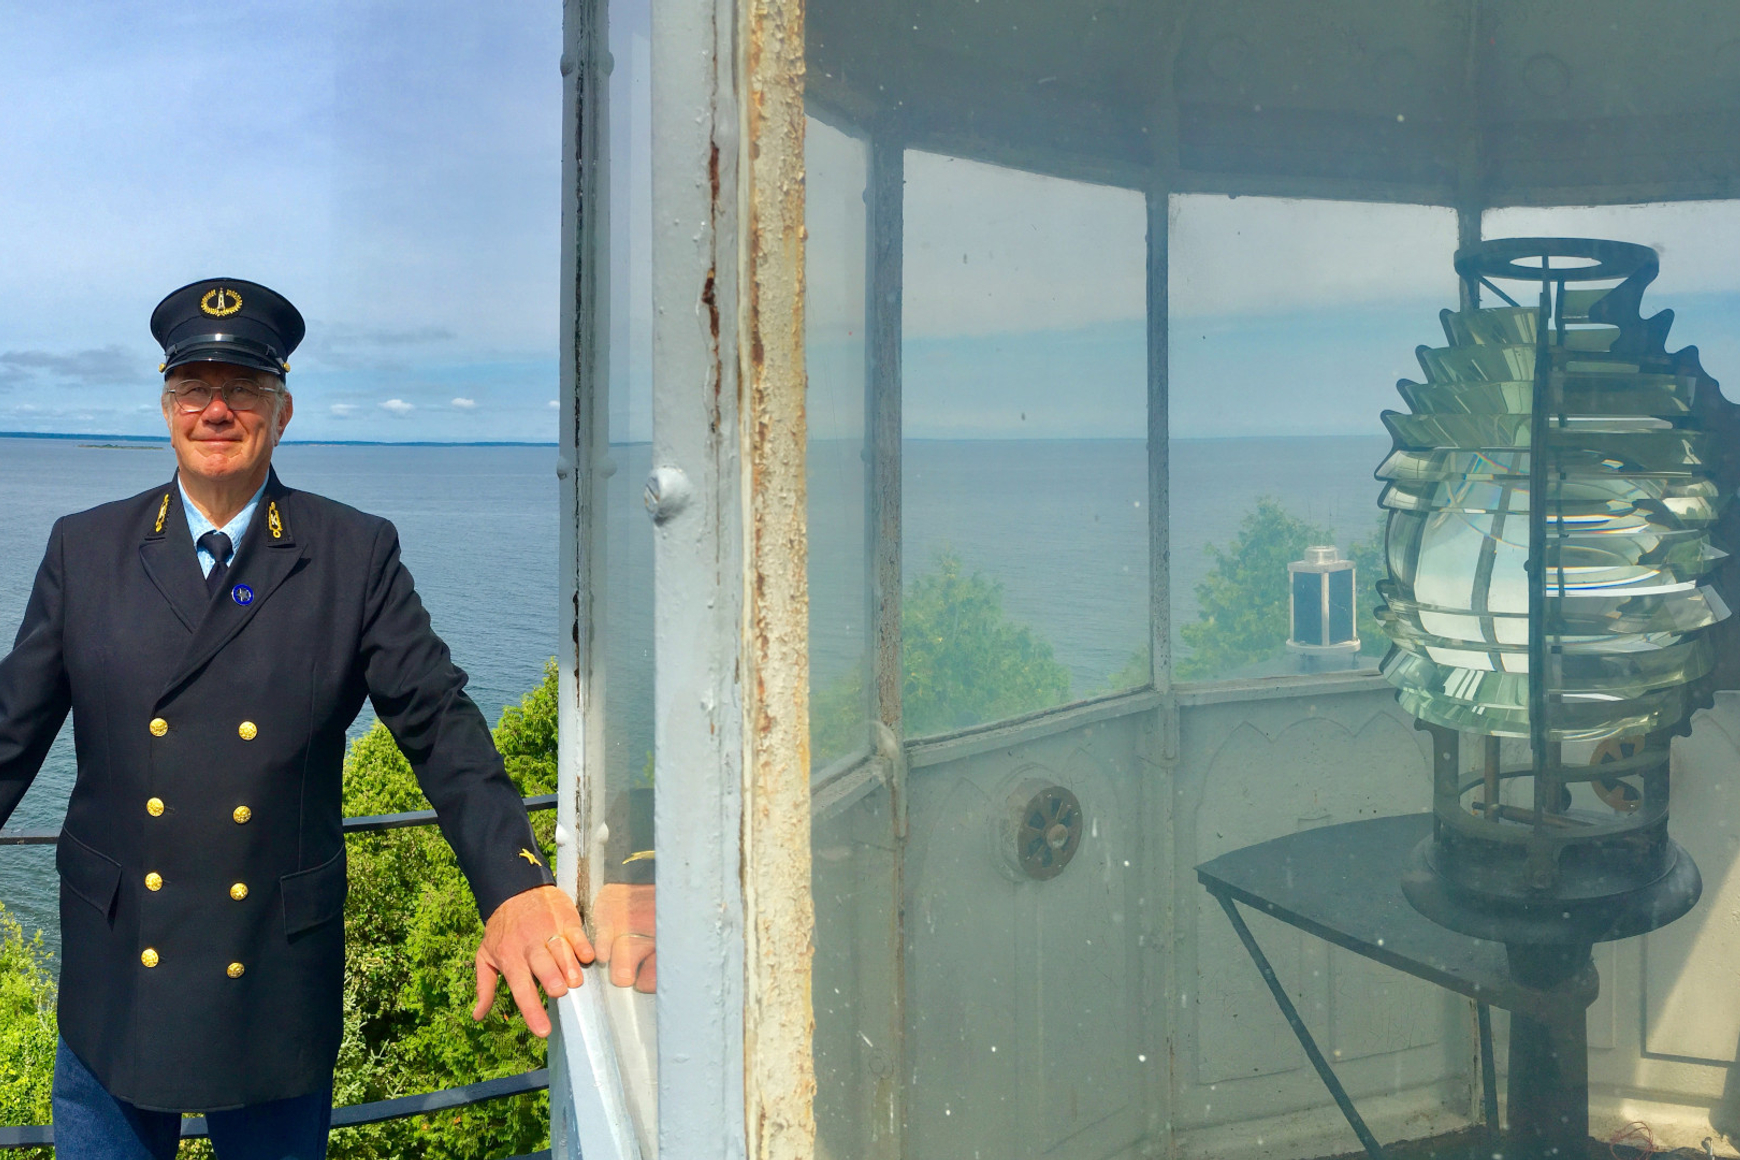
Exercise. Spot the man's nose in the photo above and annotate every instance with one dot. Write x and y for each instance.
(218, 410)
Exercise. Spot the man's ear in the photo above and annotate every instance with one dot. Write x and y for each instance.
(284, 413)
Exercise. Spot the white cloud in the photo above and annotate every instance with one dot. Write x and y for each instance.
(465, 404)
(344, 410)
(398, 407)
(555, 404)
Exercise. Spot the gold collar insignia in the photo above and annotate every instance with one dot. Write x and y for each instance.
(273, 523)
(162, 513)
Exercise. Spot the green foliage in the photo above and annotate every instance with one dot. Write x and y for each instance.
(1137, 671)
(838, 713)
(411, 931)
(27, 1029)
(1242, 603)
(965, 662)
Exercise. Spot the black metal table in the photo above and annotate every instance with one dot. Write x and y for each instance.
(1343, 884)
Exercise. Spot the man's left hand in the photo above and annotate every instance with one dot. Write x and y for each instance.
(534, 937)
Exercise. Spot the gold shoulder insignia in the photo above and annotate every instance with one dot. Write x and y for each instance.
(162, 513)
(273, 522)
(530, 857)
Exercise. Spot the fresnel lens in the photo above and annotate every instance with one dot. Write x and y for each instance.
(1552, 496)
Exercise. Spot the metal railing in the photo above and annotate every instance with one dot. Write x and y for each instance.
(353, 1115)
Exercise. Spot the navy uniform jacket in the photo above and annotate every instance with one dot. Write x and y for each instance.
(202, 862)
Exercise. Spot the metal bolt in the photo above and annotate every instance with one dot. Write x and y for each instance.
(667, 493)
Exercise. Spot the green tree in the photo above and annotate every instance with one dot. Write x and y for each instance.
(964, 661)
(411, 930)
(27, 1029)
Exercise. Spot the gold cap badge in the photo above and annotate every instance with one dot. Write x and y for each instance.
(221, 303)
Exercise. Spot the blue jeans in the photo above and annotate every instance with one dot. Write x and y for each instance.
(91, 1124)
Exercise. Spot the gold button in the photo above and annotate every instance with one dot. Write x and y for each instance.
(159, 726)
(154, 807)
(242, 814)
(239, 891)
(148, 957)
(154, 881)
(248, 730)
(235, 970)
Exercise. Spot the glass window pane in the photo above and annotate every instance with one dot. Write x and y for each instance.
(1077, 989)
(1024, 530)
(834, 177)
(1291, 321)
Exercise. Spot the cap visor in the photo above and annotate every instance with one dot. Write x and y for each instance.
(224, 353)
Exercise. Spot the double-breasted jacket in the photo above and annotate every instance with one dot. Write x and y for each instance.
(202, 860)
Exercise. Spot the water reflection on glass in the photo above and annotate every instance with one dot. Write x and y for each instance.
(1023, 520)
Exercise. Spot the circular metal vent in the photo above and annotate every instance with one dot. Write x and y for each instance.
(1047, 831)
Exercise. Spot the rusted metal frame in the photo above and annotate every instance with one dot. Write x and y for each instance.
(779, 919)
(698, 577)
(583, 460)
(884, 275)
(583, 467)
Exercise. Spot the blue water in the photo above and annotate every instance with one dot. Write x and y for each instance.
(1059, 524)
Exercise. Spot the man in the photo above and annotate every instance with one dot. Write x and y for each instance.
(213, 638)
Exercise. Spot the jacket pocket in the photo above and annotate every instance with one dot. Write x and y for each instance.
(313, 897)
(92, 876)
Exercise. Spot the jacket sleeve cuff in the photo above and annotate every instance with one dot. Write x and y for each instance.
(500, 883)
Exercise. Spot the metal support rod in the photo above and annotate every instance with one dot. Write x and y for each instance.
(884, 220)
(884, 216)
(1488, 1069)
(1549, 1087)
(1467, 236)
(1330, 1081)
(1159, 441)
(1490, 777)
(1540, 874)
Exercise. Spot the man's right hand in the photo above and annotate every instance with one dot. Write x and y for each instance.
(622, 916)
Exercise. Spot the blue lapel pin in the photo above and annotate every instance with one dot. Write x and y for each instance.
(242, 595)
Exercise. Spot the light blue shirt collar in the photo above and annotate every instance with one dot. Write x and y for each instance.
(198, 526)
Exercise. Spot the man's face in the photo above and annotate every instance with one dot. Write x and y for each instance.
(221, 443)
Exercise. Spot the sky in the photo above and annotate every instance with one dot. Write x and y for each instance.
(394, 169)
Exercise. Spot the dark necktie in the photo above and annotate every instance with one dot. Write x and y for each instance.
(218, 546)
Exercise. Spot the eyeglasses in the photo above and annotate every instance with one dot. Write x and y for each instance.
(194, 395)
